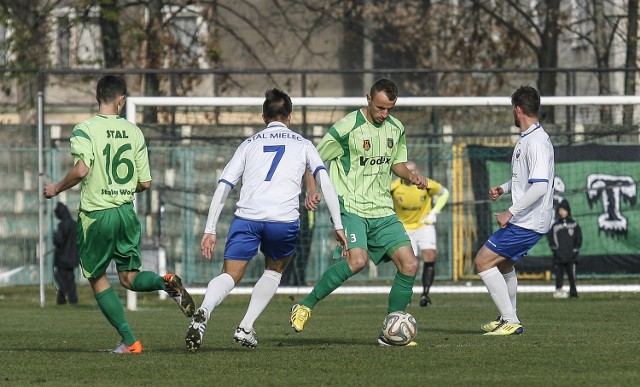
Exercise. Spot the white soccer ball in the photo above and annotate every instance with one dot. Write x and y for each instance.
(399, 328)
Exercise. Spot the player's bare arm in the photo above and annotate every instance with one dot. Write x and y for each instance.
(207, 244)
(341, 238)
(143, 186)
(311, 200)
(73, 177)
(403, 172)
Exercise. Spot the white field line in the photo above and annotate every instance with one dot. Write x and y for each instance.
(453, 289)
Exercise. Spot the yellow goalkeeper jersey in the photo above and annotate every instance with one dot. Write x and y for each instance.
(411, 203)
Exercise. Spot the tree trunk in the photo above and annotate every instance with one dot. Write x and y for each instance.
(632, 61)
(154, 52)
(548, 58)
(602, 58)
(110, 33)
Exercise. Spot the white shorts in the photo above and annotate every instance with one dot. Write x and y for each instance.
(423, 238)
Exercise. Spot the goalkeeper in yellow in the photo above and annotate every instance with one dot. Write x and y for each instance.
(418, 210)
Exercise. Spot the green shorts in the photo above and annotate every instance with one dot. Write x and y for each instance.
(379, 236)
(105, 235)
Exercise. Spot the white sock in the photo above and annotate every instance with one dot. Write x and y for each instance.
(217, 290)
(497, 287)
(512, 285)
(262, 293)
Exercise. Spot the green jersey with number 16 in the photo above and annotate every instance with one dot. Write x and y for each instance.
(361, 155)
(116, 154)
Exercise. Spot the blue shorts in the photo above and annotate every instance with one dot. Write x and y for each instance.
(276, 239)
(512, 241)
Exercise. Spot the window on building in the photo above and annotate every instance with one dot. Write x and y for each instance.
(62, 42)
(580, 22)
(187, 28)
(76, 40)
(89, 44)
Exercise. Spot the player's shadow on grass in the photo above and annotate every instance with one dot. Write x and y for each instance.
(457, 331)
(293, 341)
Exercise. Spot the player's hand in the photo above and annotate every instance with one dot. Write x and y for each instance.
(50, 190)
(312, 200)
(419, 181)
(431, 217)
(495, 193)
(341, 238)
(503, 218)
(207, 244)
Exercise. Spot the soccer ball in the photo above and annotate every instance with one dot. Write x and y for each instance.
(399, 328)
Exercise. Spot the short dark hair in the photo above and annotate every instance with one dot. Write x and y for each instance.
(385, 85)
(277, 105)
(110, 87)
(528, 99)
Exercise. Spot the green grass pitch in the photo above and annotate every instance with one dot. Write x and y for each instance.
(590, 341)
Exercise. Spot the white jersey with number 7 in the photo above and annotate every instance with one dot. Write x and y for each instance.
(271, 164)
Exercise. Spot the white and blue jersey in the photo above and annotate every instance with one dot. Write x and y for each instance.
(533, 161)
(271, 164)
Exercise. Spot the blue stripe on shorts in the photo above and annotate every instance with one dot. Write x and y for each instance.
(276, 239)
(512, 241)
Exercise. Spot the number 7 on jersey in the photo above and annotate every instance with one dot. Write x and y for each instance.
(279, 150)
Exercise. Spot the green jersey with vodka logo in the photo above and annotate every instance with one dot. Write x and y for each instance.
(361, 155)
(116, 154)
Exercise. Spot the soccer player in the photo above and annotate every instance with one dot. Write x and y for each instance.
(527, 220)
(271, 165)
(418, 211)
(364, 148)
(111, 163)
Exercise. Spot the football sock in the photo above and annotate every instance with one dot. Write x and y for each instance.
(331, 279)
(497, 287)
(217, 290)
(512, 286)
(111, 307)
(401, 291)
(428, 274)
(262, 293)
(147, 281)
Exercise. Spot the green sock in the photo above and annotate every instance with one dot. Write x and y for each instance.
(330, 281)
(147, 281)
(401, 291)
(111, 306)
